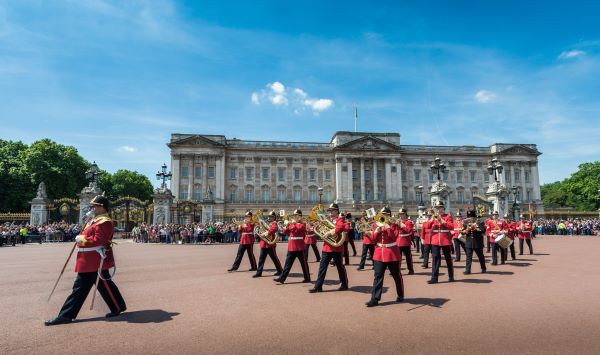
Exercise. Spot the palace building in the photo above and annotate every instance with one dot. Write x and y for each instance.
(355, 169)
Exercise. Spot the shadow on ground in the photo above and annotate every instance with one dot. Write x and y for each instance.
(140, 317)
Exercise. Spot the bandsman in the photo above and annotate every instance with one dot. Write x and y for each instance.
(310, 241)
(473, 230)
(441, 241)
(426, 232)
(495, 227)
(296, 232)
(368, 246)
(458, 224)
(525, 228)
(269, 249)
(405, 231)
(246, 233)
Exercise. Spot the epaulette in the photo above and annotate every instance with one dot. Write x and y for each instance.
(102, 219)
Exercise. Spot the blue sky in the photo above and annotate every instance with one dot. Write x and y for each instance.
(115, 78)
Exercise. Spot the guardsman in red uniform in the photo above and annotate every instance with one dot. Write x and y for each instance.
(426, 232)
(493, 228)
(368, 247)
(246, 232)
(386, 256)
(310, 240)
(296, 232)
(441, 241)
(94, 258)
(512, 234)
(269, 249)
(405, 232)
(333, 253)
(525, 228)
(458, 224)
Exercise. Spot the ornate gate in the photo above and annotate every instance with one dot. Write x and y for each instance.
(482, 206)
(64, 209)
(128, 212)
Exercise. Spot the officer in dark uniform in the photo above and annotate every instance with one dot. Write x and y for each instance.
(94, 256)
(474, 232)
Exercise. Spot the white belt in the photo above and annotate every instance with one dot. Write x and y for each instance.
(389, 245)
(247, 233)
(310, 236)
(82, 250)
(405, 235)
(441, 231)
(295, 238)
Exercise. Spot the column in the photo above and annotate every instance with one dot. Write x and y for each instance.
(350, 187)
(218, 177)
(190, 177)
(175, 183)
(375, 196)
(204, 176)
(399, 193)
(535, 180)
(362, 179)
(389, 195)
(338, 180)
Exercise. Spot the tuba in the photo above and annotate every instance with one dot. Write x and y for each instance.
(323, 227)
(262, 226)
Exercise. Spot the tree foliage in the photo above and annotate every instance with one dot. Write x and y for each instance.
(579, 191)
(62, 169)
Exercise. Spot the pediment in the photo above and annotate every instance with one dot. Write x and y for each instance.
(368, 143)
(195, 141)
(519, 149)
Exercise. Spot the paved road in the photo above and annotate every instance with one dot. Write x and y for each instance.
(181, 300)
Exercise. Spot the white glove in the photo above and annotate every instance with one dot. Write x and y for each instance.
(80, 239)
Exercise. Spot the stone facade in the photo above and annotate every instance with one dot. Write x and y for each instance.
(356, 169)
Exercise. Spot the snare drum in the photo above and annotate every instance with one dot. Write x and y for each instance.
(503, 241)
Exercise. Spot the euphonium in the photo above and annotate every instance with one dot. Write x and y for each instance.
(323, 227)
(262, 226)
(382, 220)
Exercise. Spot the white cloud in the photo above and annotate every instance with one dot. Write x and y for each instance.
(127, 149)
(299, 101)
(484, 96)
(571, 54)
(319, 105)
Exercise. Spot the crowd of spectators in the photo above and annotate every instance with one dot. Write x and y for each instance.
(570, 226)
(13, 233)
(193, 233)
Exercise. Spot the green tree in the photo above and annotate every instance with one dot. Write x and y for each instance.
(129, 183)
(16, 187)
(60, 167)
(579, 191)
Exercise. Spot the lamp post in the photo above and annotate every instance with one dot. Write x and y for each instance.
(320, 191)
(437, 167)
(164, 176)
(92, 174)
(516, 207)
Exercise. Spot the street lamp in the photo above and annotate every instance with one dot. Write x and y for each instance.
(320, 191)
(92, 174)
(438, 167)
(164, 176)
(516, 208)
(494, 167)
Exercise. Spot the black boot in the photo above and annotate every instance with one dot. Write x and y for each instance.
(57, 321)
(372, 303)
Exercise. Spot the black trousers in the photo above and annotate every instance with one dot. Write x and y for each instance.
(315, 250)
(512, 251)
(240, 254)
(394, 267)
(480, 256)
(351, 241)
(272, 253)
(457, 245)
(367, 248)
(337, 259)
(346, 254)
(408, 257)
(425, 250)
(528, 244)
(84, 282)
(417, 243)
(436, 253)
(495, 248)
(289, 261)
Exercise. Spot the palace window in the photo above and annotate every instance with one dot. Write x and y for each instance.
(266, 196)
(198, 192)
(281, 195)
(327, 175)
(211, 172)
(417, 175)
(233, 195)
(184, 171)
(354, 174)
(517, 175)
(249, 174)
(313, 195)
(297, 195)
(473, 176)
(198, 172)
(312, 174)
(232, 173)
(249, 196)
(459, 176)
(183, 194)
(266, 172)
(281, 174)
(527, 176)
(297, 172)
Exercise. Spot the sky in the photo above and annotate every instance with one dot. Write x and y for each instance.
(116, 78)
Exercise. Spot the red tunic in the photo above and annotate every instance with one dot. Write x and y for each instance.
(525, 229)
(340, 226)
(457, 228)
(387, 248)
(426, 232)
(368, 237)
(246, 233)
(495, 227)
(296, 233)
(405, 233)
(310, 237)
(97, 234)
(271, 233)
(442, 231)
(512, 230)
